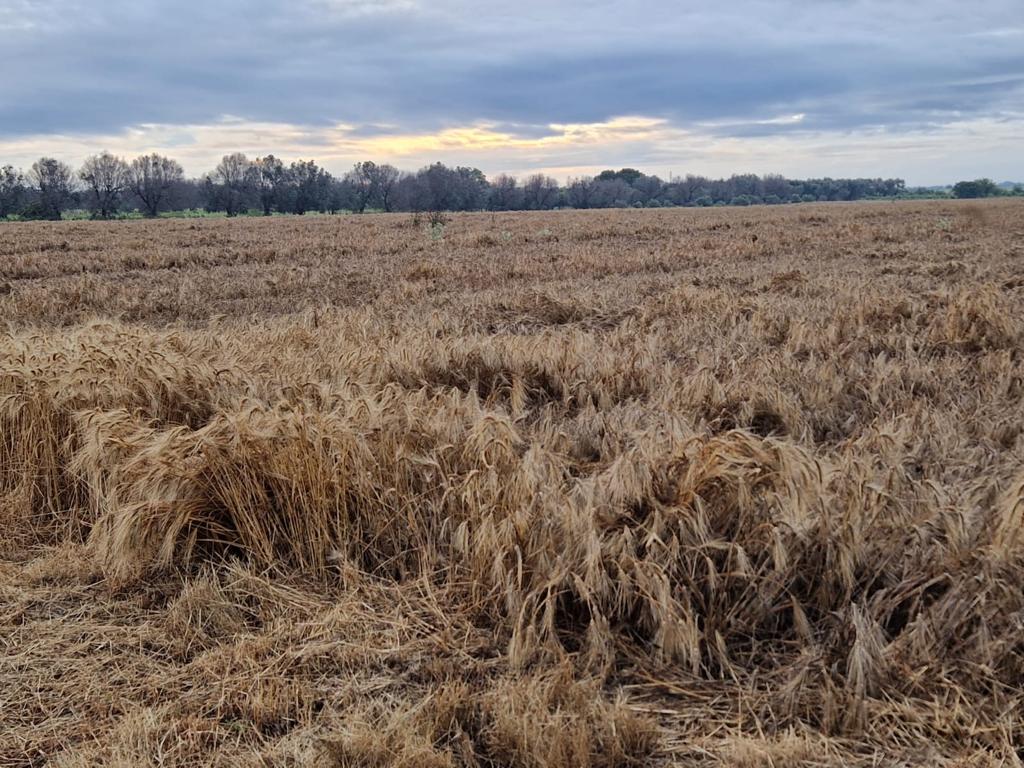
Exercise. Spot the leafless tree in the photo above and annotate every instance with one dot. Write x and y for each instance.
(234, 174)
(271, 180)
(387, 178)
(579, 192)
(362, 181)
(371, 184)
(506, 195)
(151, 178)
(12, 190)
(540, 192)
(107, 178)
(55, 183)
(311, 186)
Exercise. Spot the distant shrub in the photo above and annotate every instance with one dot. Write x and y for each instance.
(976, 188)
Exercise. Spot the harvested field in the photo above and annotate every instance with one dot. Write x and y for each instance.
(740, 487)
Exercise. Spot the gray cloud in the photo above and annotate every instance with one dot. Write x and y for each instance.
(80, 68)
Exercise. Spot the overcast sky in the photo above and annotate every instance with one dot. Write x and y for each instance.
(929, 91)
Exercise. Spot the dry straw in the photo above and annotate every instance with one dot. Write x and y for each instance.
(664, 494)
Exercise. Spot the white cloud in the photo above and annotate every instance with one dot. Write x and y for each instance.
(364, 7)
(1000, 32)
(926, 155)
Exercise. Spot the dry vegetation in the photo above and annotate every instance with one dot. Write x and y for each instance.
(606, 489)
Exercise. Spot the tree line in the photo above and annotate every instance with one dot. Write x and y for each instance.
(108, 186)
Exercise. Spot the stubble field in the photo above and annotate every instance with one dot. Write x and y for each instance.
(741, 487)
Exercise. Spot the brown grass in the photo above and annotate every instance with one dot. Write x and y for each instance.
(572, 489)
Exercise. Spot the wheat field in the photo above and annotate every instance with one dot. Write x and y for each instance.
(738, 487)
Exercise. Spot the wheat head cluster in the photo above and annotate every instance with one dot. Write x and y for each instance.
(620, 488)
